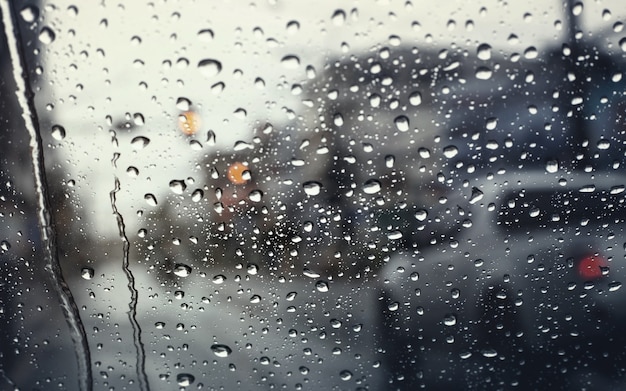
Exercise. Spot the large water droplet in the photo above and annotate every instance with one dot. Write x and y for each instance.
(209, 67)
(402, 123)
(312, 188)
(415, 99)
(47, 36)
(178, 186)
(372, 186)
(477, 195)
(290, 62)
(552, 166)
(321, 286)
(484, 51)
(483, 73)
(29, 13)
(185, 379)
(450, 151)
(58, 132)
(345, 375)
(182, 270)
(255, 196)
(87, 273)
(197, 195)
(221, 350)
(150, 199)
(139, 142)
(205, 35)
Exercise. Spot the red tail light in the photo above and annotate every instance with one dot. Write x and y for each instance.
(591, 267)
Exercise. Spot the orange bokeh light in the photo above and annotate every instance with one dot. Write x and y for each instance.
(236, 173)
(189, 122)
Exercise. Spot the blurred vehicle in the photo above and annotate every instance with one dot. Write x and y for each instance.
(526, 294)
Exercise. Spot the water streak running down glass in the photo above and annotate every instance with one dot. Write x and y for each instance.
(312, 195)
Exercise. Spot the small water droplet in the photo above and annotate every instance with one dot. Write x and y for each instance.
(221, 350)
(424, 152)
(182, 270)
(531, 52)
(255, 299)
(87, 273)
(389, 161)
(291, 296)
(613, 286)
(491, 123)
(219, 279)
(603, 144)
(345, 375)
(209, 67)
(490, 353)
(312, 188)
(58, 132)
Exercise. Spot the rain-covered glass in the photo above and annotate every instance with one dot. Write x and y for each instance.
(312, 195)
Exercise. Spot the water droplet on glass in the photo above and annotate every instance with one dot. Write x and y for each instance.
(290, 62)
(238, 173)
(197, 195)
(531, 53)
(372, 186)
(291, 296)
(395, 235)
(312, 188)
(613, 286)
(552, 166)
(603, 144)
(139, 142)
(491, 123)
(483, 73)
(450, 151)
(58, 132)
(389, 161)
(185, 379)
(321, 286)
(477, 195)
(490, 353)
(182, 270)
(338, 17)
(87, 273)
(205, 35)
(484, 51)
(345, 375)
(415, 99)
(421, 214)
(189, 122)
(178, 186)
(47, 36)
(622, 44)
(338, 119)
(449, 320)
(5, 245)
(219, 279)
(402, 123)
(183, 104)
(255, 299)
(221, 350)
(209, 67)
(29, 13)
(150, 199)
(255, 196)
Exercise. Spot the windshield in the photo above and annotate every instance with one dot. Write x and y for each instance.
(311, 195)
